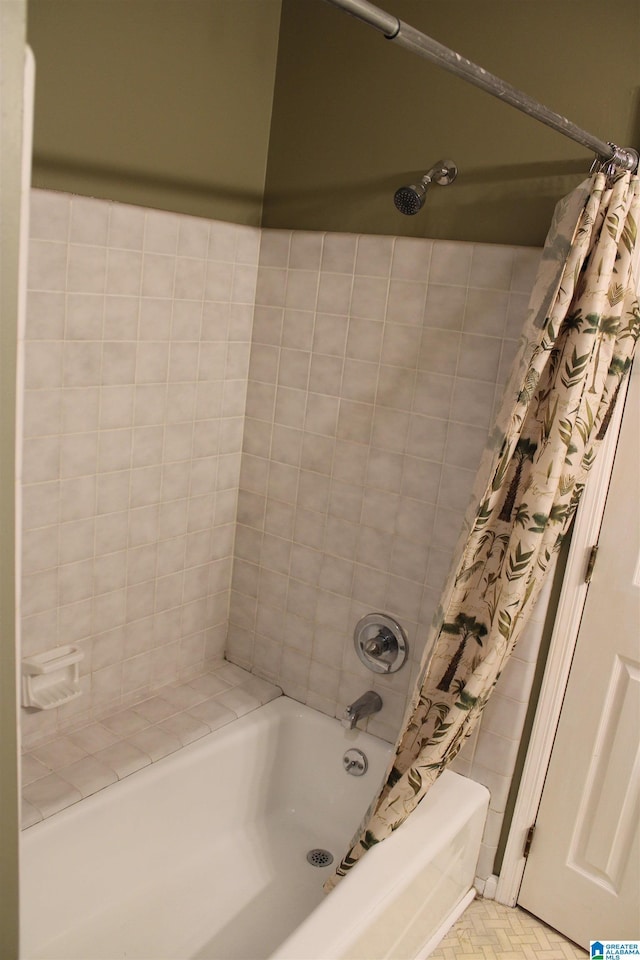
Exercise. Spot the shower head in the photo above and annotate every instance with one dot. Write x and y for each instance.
(409, 200)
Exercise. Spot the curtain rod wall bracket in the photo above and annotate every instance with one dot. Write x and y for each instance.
(625, 157)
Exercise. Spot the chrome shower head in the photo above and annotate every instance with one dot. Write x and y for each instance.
(409, 200)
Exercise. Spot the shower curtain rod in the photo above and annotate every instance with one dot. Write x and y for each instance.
(412, 39)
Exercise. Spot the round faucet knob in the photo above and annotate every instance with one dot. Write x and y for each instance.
(379, 644)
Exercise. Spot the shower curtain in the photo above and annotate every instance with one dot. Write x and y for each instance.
(576, 350)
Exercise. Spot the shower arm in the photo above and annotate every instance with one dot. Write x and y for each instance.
(411, 39)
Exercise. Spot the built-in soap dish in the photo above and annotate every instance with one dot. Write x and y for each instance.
(52, 678)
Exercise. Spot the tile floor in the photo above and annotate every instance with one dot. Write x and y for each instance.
(490, 931)
(63, 771)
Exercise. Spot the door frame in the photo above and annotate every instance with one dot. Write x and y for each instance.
(573, 595)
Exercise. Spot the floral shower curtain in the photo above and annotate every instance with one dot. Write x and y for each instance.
(576, 350)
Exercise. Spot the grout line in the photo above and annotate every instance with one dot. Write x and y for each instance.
(147, 725)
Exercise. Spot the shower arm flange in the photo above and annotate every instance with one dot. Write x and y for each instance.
(442, 173)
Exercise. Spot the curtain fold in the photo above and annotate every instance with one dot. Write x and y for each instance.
(576, 350)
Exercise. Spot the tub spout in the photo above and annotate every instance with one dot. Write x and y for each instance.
(370, 702)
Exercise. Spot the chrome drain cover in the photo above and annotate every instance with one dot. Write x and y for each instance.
(319, 857)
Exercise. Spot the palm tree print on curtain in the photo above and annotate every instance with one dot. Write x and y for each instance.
(576, 349)
(464, 627)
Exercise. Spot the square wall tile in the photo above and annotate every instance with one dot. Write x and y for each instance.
(310, 405)
(132, 438)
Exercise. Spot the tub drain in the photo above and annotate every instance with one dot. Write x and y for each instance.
(319, 857)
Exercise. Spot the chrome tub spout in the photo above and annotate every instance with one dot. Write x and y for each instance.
(370, 702)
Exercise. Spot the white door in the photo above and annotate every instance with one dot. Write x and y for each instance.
(582, 875)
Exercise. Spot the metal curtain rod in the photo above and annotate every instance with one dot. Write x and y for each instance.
(412, 39)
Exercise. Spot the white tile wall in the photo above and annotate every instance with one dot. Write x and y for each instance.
(375, 366)
(373, 369)
(138, 338)
(88, 758)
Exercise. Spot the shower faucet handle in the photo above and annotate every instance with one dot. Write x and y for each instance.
(381, 643)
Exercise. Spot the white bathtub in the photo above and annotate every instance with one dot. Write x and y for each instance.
(203, 854)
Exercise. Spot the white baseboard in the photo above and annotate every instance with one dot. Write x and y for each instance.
(486, 887)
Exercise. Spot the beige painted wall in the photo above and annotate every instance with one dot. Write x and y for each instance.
(168, 103)
(355, 117)
(12, 33)
(163, 103)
